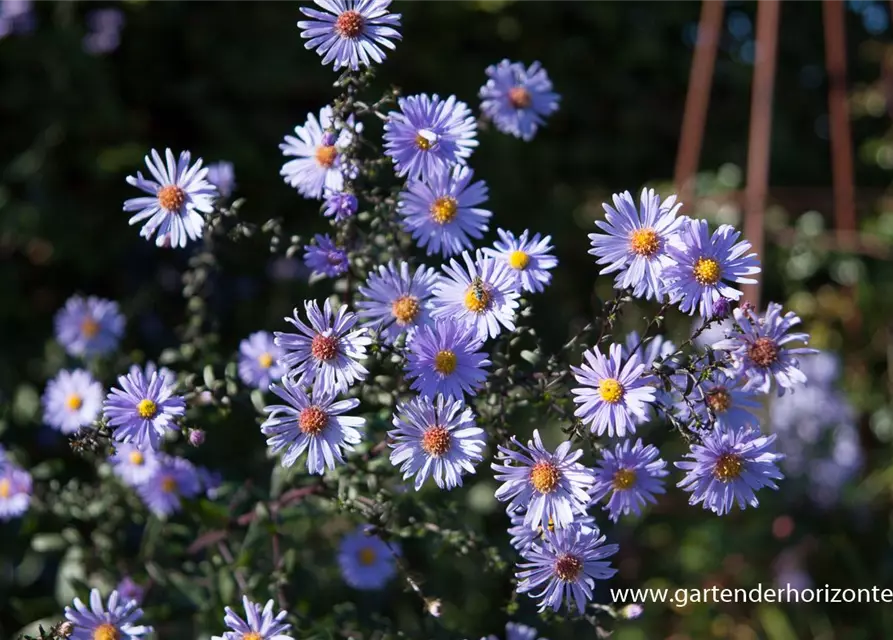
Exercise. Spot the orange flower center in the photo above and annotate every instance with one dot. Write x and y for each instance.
(136, 457)
(89, 327)
(623, 479)
(106, 632)
(171, 197)
(445, 362)
(74, 402)
(312, 420)
(707, 271)
(324, 347)
(763, 351)
(436, 441)
(644, 242)
(349, 24)
(168, 484)
(544, 477)
(405, 309)
(5, 488)
(719, 400)
(519, 97)
(325, 155)
(444, 209)
(422, 142)
(252, 635)
(568, 567)
(728, 467)
(265, 360)
(366, 556)
(477, 298)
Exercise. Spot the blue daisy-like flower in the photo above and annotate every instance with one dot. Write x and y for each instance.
(73, 399)
(441, 211)
(259, 360)
(15, 491)
(88, 327)
(517, 99)
(482, 295)
(223, 176)
(523, 536)
(397, 300)
(172, 480)
(117, 620)
(529, 259)
(446, 358)
(128, 589)
(327, 352)
(428, 135)
(435, 438)
(631, 474)
(636, 241)
(761, 353)
(178, 195)
(703, 264)
(350, 33)
(259, 623)
(515, 631)
(316, 425)
(721, 395)
(324, 258)
(319, 164)
(615, 395)
(565, 567)
(552, 487)
(340, 205)
(134, 466)
(143, 409)
(366, 561)
(729, 466)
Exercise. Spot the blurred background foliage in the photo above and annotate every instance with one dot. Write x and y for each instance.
(228, 80)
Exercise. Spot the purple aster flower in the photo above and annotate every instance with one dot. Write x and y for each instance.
(723, 396)
(721, 308)
(729, 466)
(150, 368)
(530, 260)
(89, 327)
(318, 165)
(446, 358)
(514, 631)
(552, 487)
(259, 360)
(259, 623)
(73, 399)
(398, 301)
(340, 205)
(117, 621)
(631, 475)
(223, 176)
(15, 491)
(173, 479)
(518, 99)
(702, 264)
(428, 135)
(441, 212)
(16, 16)
(760, 351)
(316, 425)
(179, 194)
(325, 259)
(482, 295)
(636, 241)
(614, 395)
(366, 561)
(565, 567)
(130, 590)
(328, 351)
(132, 465)
(523, 536)
(437, 438)
(350, 32)
(143, 410)
(104, 30)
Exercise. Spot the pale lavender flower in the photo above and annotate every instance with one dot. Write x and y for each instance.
(259, 360)
(117, 621)
(15, 491)
(132, 465)
(319, 164)
(324, 258)
(530, 260)
(446, 358)
(398, 301)
(523, 536)
(366, 561)
(89, 327)
(143, 410)
(350, 33)
(223, 176)
(258, 624)
(73, 399)
(631, 474)
(16, 16)
(172, 480)
(518, 99)
(129, 590)
(178, 195)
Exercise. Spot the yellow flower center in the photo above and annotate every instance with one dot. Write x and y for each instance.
(422, 142)
(349, 24)
(106, 632)
(728, 467)
(146, 408)
(445, 362)
(405, 309)
(610, 390)
(265, 360)
(707, 271)
(719, 399)
(5, 488)
(312, 420)
(89, 327)
(325, 155)
(252, 635)
(171, 197)
(544, 477)
(623, 479)
(74, 402)
(477, 298)
(568, 567)
(436, 441)
(763, 351)
(644, 242)
(519, 260)
(168, 484)
(136, 458)
(366, 556)
(444, 209)
(519, 97)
